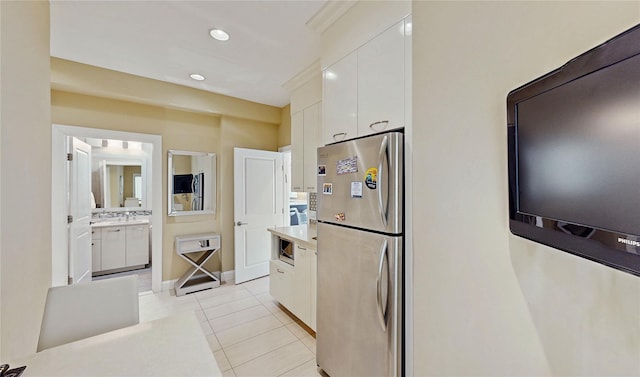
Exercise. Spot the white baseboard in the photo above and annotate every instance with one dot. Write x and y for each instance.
(228, 276)
(225, 277)
(168, 285)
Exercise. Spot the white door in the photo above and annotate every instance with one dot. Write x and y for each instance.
(80, 212)
(258, 205)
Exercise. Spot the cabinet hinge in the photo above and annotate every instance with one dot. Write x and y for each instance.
(69, 219)
(69, 156)
(69, 280)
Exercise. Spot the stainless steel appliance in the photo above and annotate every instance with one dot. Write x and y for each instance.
(360, 253)
(197, 187)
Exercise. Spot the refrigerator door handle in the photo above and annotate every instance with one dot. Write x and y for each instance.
(382, 310)
(382, 155)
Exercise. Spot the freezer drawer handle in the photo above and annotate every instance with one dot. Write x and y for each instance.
(382, 311)
(382, 155)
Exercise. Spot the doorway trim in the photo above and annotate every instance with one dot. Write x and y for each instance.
(59, 242)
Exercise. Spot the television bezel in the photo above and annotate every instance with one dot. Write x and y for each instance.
(182, 184)
(608, 250)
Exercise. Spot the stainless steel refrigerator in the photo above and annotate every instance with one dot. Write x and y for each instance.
(360, 251)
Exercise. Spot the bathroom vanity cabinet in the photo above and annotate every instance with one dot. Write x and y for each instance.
(119, 246)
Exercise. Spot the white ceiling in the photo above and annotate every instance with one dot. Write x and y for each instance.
(168, 40)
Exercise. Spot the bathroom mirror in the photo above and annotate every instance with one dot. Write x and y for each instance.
(119, 184)
(191, 183)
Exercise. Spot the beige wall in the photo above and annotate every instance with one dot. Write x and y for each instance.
(284, 131)
(486, 302)
(180, 130)
(75, 77)
(25, 219)
(129, 171)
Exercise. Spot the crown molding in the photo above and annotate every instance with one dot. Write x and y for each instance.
(329, 13)
(303, 77)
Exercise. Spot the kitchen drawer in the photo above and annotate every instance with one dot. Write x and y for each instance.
(281, 281)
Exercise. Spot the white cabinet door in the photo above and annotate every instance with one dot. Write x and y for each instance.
(302, 284)
(280, 282)
(340, 100)
(137, 245)
(314, 280)
(297, 152)
(381, 80)
(96, 250)
(311, 127)
(305, 138)
(113, 247)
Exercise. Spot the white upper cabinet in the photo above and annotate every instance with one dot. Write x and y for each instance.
(306, 102)
(340, 99)
(305, 131)
(297, 152)
(368, 90)
(381, 81)
(311, 130)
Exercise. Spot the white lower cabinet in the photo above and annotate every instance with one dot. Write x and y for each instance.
(314, 288)
(295, 286)
(113, 248)
(96, 250)
(137, 249)
(302, 284)
(280, 282)
(117, 247)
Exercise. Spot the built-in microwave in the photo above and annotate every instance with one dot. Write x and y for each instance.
(285, 248)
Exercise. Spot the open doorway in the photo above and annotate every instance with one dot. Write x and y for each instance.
(297, 203)
(135, 155)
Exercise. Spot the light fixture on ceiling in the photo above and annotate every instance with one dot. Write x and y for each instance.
(219, 34)
(197, 77)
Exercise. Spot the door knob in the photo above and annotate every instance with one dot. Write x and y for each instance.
(239, 223)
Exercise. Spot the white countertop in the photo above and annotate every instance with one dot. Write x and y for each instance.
(170, 346)
(119, 222)
(301, 234)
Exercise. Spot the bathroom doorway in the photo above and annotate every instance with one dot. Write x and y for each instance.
(143, 202)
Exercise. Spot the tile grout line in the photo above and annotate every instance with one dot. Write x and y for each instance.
(297, 366)
(264, 305)
(266, 353)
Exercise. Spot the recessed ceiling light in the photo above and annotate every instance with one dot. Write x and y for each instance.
(196, 77)
(218, 34)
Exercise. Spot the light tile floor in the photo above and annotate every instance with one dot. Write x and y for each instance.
(248, 331)
(144, 278)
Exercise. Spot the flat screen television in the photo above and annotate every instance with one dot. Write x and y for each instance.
(574, 155)
(182, 183)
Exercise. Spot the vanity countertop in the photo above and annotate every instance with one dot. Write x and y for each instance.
(300, 234)
(120, 221)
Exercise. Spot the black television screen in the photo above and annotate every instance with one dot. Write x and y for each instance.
(574, 155)
(182, 183)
